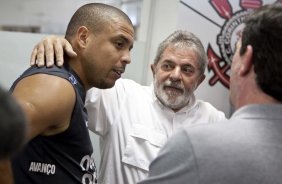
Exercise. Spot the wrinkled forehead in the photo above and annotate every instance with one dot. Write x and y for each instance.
(179, 50)
(182, 46)
(179, 55)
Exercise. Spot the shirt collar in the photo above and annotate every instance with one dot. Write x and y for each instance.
(259, 111)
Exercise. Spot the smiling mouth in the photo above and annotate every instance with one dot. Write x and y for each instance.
(175, 90)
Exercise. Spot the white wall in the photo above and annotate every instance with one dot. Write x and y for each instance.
(158, 20)
(51, 16)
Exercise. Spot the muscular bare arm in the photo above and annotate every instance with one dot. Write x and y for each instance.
(48, 102)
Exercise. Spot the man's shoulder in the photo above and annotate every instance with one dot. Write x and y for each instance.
(215, 134)
(38, 72)
(56, 71)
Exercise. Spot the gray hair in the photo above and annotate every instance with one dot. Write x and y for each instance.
(184, 39)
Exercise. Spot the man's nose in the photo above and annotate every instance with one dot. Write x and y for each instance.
(126, 57)
(175, 74)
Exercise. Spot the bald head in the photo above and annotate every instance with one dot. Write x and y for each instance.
(94, 16)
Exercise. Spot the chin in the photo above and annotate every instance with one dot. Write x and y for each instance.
(106, 85)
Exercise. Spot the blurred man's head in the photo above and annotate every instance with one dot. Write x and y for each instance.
(12, 125)
(261, 48)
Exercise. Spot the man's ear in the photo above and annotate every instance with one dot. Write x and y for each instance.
(246, 63)
(153, 68)
(82, 35)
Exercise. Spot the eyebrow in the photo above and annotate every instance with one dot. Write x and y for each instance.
(167, 61)
(172, 62)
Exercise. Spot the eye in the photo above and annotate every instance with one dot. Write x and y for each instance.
(166, 66)
(119, 44)
(188, 69)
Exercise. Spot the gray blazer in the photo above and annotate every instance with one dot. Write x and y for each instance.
(247, 149)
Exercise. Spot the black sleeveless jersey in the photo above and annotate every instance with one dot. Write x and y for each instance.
(64, 158)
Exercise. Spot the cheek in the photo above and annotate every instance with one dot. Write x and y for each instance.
(161, 76)
(190, 84)
(90, 55)
(101, 51)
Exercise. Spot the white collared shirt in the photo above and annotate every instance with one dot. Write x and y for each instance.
(133, 125)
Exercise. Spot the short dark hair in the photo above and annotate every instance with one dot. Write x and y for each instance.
(263, 31)
(94, 16)
(12, 125)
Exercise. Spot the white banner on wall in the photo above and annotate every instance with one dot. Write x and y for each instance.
(218, 23)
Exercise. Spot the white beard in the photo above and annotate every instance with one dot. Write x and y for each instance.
(174, 98)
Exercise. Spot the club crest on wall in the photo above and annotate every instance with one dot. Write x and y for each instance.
(230, 31)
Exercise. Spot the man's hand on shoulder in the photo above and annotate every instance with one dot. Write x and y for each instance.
(50, 48)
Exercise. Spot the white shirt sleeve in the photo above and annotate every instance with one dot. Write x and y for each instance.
(103, 107)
